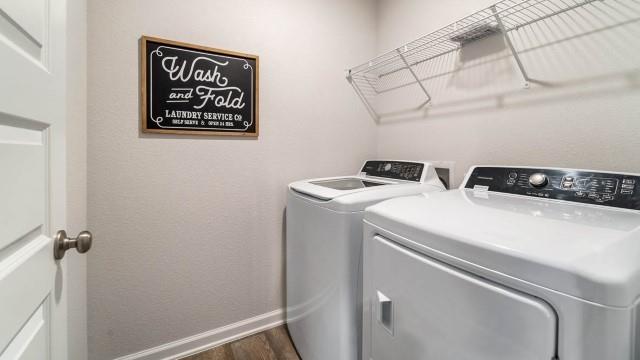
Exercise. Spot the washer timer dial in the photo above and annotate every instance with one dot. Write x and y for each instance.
(538, 180)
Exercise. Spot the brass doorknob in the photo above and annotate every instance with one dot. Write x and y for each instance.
(62, 243)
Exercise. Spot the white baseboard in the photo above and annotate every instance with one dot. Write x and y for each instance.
(209, 339)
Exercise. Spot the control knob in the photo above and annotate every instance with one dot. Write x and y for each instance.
(538, 180)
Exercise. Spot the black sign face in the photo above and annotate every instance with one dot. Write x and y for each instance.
(189, 89)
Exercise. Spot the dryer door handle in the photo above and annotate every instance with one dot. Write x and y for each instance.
(385, 312)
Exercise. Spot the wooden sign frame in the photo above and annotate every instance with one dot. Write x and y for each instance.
(200, 128)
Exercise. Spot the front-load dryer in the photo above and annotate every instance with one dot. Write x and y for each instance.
(324, 252)
(516, 264)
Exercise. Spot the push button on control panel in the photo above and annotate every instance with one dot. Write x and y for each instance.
(627, 187)
(567, 182)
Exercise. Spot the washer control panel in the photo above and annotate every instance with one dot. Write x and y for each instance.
(591, 187)
(400, 170)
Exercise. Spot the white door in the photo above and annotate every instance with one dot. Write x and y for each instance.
(32, 179)
(425, 310)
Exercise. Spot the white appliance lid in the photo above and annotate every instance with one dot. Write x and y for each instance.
(591, 252)
(373, 175)
(334, 187)
(348, 183)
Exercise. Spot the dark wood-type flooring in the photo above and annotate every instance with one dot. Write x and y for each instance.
(273, 344)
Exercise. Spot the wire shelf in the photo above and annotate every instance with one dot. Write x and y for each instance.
(397, 68)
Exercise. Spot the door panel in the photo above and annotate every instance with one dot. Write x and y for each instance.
(23, 163)
(423, 309)
(28, 272)
(24, 25)
(32, 341)
(33, 64)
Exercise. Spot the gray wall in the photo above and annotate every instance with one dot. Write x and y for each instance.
(587, 118)
(77, 173)
(189, 229)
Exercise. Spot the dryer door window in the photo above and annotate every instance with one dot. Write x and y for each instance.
(421, 309)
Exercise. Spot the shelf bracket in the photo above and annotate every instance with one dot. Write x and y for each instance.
(507, 39)
(363, 98)
(415, 76)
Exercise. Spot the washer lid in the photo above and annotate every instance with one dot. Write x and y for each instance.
(331, 188)
(374, 173)
(591, 252)
(347, 183)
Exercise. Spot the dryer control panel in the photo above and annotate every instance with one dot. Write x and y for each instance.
(590, 187)
(399, 170)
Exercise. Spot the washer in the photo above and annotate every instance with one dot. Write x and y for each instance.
(324, 252)
(518, 263)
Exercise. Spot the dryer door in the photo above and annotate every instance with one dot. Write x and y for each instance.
(422, 309)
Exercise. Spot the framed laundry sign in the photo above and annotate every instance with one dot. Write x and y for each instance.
(197, 90)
